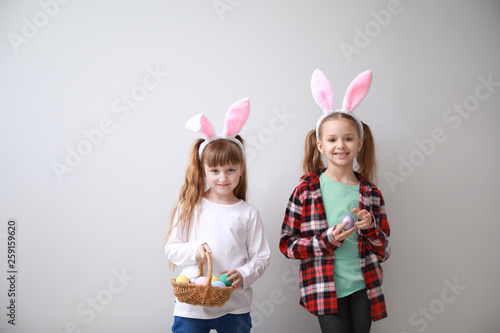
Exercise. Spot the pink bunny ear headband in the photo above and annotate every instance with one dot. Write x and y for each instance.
(323, 95)
(236, 117)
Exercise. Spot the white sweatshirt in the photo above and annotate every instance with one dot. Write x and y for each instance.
(235, 234)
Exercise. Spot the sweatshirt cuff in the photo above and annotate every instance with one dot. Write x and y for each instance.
(194, 247)
(245, 273)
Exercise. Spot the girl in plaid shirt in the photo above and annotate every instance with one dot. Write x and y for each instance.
(340, 272)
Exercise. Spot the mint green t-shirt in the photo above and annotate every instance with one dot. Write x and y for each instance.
(339, 199)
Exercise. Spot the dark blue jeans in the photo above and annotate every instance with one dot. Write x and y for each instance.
(354, 315)
(230, 323)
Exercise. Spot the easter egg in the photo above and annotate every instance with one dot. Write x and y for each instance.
(219, 284)
(182, 279)
(214, 278)
(201, 280)
(223, 278)
(349, 219)
(193, 279)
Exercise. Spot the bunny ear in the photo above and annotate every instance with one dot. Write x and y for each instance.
(322, 90)
(357, 90)
(236, 117)
(200, 123)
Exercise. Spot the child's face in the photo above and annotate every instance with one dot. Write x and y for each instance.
(340, 142)
(222, 180)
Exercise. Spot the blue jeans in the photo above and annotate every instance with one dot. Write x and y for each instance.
(354, 315)
(230, 323)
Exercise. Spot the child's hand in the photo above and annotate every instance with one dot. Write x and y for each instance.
(364, 218)
(339, 234)
(235, 276)
(200, 253)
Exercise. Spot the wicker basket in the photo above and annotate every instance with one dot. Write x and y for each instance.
(205, 295)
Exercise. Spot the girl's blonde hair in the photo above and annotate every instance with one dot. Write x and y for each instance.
(367, 163)
(217, 153)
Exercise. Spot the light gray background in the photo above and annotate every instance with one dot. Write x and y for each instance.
(109, 216)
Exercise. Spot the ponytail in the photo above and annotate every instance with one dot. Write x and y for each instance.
(312, 156)
(367, 162)
(190, 196)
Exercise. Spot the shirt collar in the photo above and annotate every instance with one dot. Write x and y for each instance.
(313, 179)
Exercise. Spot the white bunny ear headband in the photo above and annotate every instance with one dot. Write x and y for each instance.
(323, 95)
(236, 117)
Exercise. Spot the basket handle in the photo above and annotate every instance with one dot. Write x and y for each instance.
(209, 274)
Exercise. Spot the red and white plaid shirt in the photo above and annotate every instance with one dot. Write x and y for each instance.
(305, 235)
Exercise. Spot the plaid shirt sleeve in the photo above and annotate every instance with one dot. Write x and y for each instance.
(374, 247)
(378, 234)
(299, 233)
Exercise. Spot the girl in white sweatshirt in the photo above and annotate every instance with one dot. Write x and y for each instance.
(219, 221)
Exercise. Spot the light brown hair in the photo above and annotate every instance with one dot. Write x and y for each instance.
(367, 163)
(217, 153)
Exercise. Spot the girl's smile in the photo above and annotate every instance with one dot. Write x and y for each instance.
(341, 155)
(339, 141)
